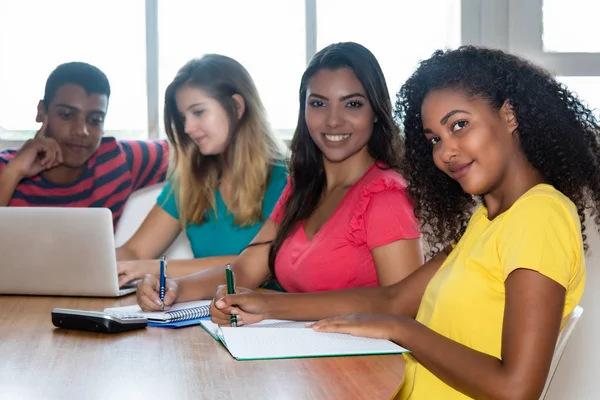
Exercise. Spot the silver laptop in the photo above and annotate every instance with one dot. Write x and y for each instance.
(58, 251)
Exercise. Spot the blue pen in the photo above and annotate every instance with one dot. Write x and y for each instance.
(163, 281)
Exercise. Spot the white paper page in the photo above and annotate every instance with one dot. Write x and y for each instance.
(210, 327)
(213, 328)
(135, 310)
(267, 343)
(278, 323)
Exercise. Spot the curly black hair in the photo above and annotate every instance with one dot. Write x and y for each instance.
(558, 134)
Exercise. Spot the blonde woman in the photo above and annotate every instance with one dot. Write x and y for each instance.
(227, 175)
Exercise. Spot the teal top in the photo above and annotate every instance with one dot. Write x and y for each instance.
(220, 236)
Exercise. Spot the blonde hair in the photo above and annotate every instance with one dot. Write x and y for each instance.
(251, 151)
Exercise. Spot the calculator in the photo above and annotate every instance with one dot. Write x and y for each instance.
(95, 321)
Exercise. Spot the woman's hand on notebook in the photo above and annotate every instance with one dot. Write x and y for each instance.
(249, 306)
(378, 326)
(147, 294)
(132, 270)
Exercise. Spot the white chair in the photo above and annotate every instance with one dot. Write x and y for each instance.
(136, 209)
(561, 343)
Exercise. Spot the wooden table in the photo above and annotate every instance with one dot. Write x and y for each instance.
(39, 361)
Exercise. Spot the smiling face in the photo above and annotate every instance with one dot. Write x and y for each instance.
(471, 142)
(76, 122)
(339, 116)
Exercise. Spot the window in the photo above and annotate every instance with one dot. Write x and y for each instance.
(266, 36)
(559, 35)
(587, 89)
(140, 45)
(571, 26)
(149, 40)
(111, 37)
(399, 33)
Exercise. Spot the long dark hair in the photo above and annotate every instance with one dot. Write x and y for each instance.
(307, 175)
(558, 133)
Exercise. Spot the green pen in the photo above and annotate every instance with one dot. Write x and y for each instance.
(231, 289)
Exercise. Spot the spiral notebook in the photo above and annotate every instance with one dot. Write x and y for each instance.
(180, 314)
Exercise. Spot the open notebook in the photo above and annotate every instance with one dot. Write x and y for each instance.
(180, 314)
(273, 339)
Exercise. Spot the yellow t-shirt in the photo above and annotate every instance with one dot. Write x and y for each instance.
(465, 299)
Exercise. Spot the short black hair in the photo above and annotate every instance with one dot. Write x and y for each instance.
(91, 78)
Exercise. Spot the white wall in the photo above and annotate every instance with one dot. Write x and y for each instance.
(577, 373)
(138, 206)
(8, 144)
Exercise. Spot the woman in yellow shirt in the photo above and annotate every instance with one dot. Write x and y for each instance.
(488, 131)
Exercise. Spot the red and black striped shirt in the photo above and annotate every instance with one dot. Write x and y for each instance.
(117, 169)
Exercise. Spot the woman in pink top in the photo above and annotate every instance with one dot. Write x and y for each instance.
(374, 212)
(344, 219)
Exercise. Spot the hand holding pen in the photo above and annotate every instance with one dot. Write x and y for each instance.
(163, 281)
(148, 293)
(248, 306)
(231, 290)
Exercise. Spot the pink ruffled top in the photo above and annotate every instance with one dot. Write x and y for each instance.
(375, 211)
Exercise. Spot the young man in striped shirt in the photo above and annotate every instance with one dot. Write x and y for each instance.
(69, 163)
